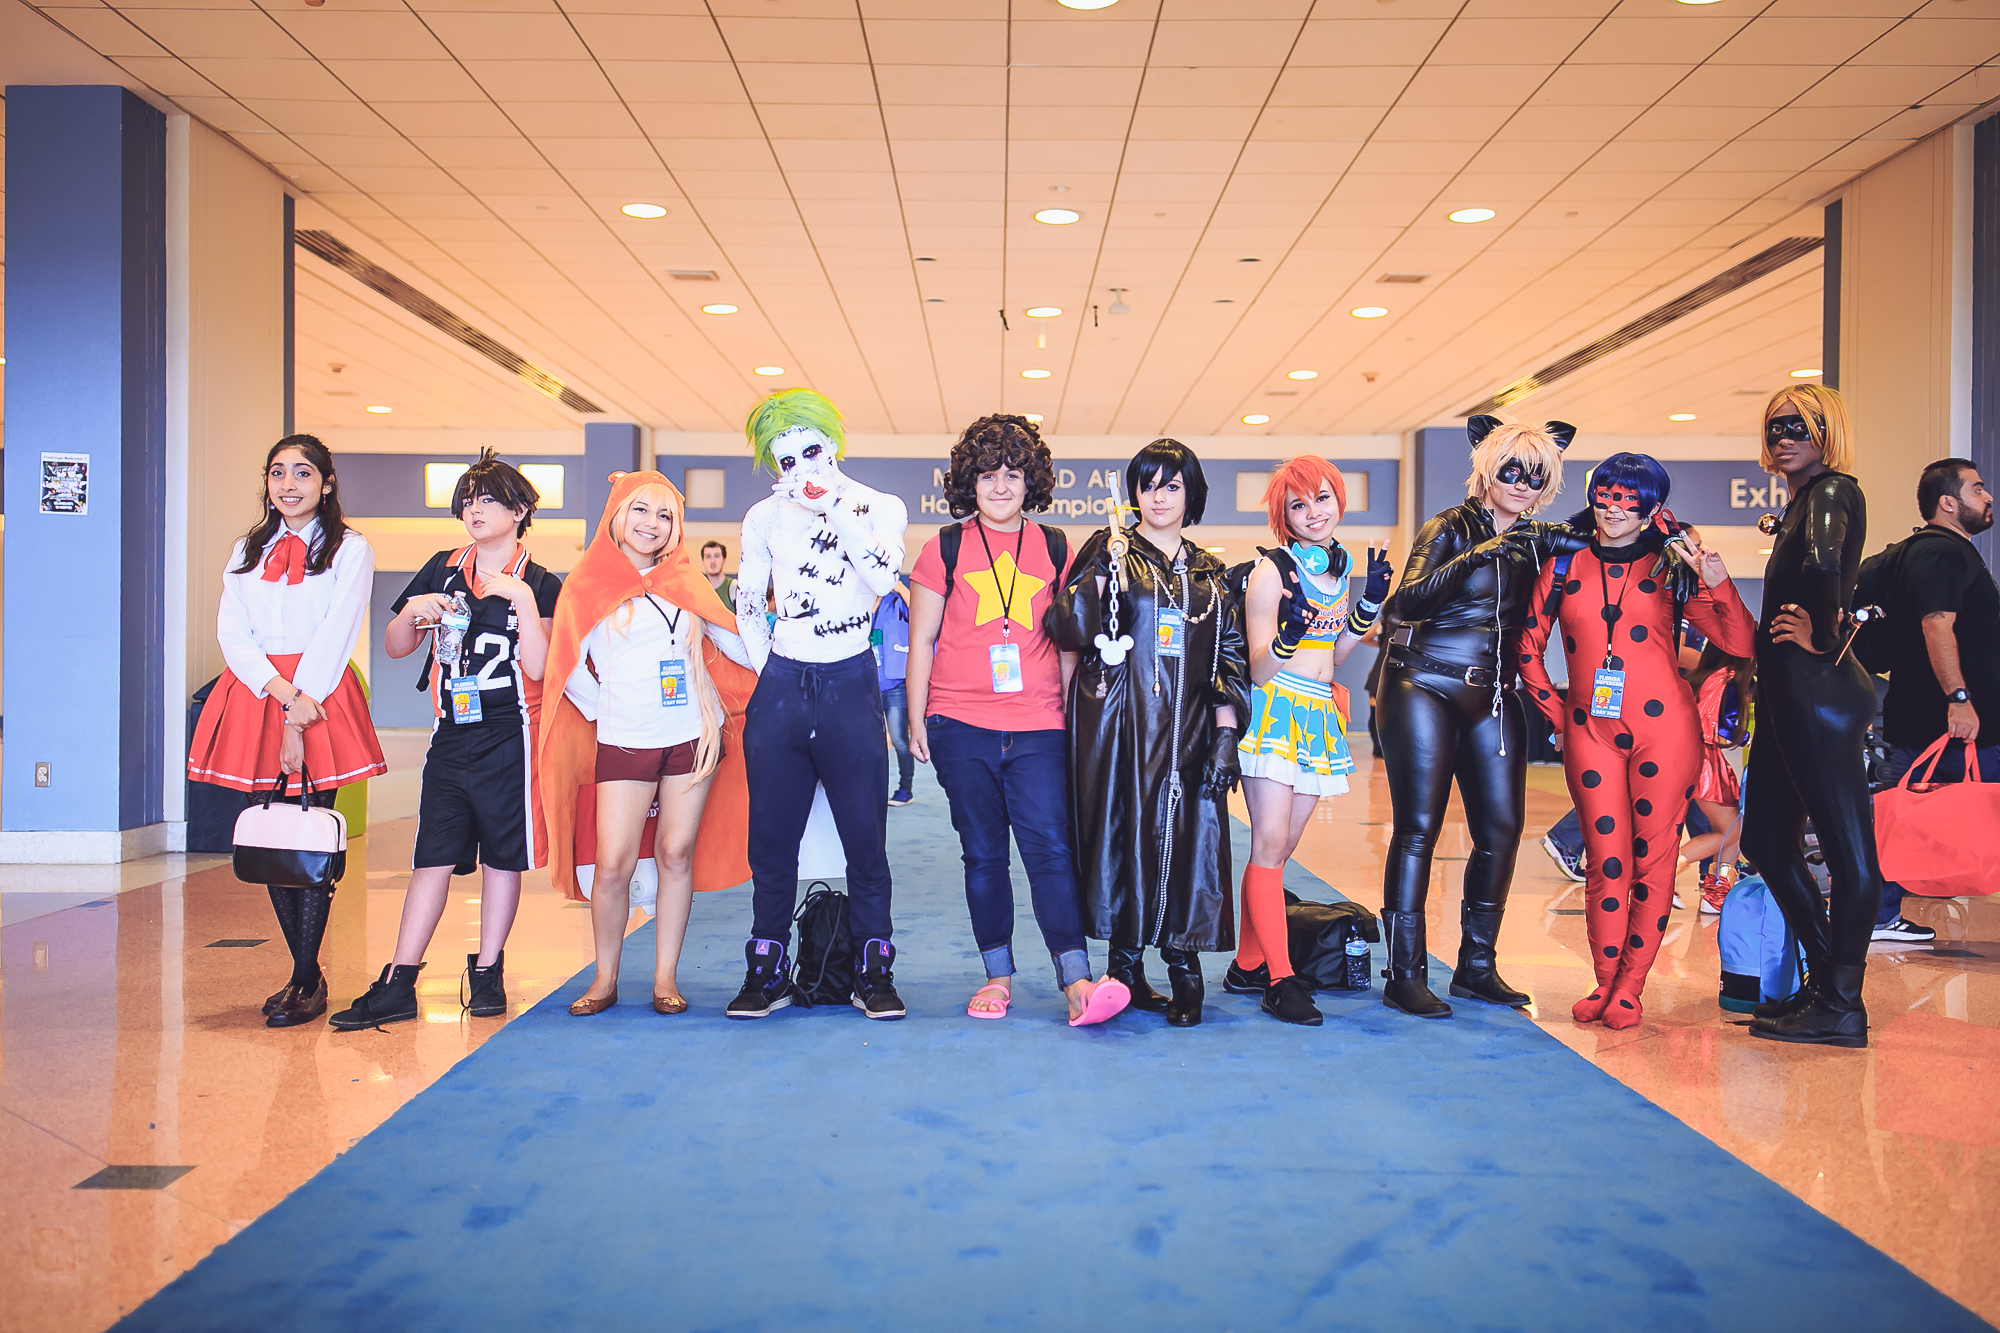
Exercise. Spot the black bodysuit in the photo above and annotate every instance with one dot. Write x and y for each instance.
(1806, 759)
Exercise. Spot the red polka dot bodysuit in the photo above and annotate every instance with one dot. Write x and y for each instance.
(1630, 775)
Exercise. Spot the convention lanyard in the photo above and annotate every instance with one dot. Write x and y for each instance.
(1624, 586)
(1007, 595)
(673, 625)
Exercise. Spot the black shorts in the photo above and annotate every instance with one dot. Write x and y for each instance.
(477, 804)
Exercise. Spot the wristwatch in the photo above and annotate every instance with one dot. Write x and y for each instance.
(1958, 696)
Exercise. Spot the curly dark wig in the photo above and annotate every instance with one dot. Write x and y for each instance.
(990, 444)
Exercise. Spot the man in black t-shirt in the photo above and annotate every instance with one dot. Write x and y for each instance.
(478, 795)
(1944, 643)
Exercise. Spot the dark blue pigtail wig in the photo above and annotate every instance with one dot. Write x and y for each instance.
(1640, 473)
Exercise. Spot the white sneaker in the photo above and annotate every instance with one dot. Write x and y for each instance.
(1679, 906)
(1571, 866)
(1901, 931)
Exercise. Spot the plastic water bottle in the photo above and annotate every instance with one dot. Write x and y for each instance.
(452, 626)
(1357, 963)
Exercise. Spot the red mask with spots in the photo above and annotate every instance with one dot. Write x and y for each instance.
(1613, 496)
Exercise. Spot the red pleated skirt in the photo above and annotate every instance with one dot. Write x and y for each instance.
(236, 739)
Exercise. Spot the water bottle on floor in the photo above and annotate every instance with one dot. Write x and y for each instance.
(1357, 963)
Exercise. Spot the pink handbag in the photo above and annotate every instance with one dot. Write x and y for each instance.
(1935, 838)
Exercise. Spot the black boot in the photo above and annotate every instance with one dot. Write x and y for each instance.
(875, 981)
(1834, 1017)
(1129, 967)
(1290, 1001)
(488, 998)
(392, 999)
(1254, 982)
(1808, 991)
(1477, 976)
(767, 986)
(1184, 971)
(1408, 972)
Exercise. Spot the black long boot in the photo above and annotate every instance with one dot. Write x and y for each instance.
(1477, 976)
(1129, 966)
(1834, 1017)
(1408, 986)
(1184, 971)
(487, 986)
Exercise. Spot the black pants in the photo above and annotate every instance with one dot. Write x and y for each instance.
(1435, 729)
(1806, 762)
(819, 722)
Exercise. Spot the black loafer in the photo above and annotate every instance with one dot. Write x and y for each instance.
(298, 1005)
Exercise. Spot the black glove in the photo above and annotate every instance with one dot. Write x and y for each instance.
(1222, 772)
(1295, 612)
(1510, 547)
(1559, 539)
(1380, 574)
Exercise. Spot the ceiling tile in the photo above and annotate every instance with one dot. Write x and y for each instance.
(1744, 85)
(320, 117)
(487, 36)
(1475, 85)
(1417, 124)
(1693, 122)
(1341, 85)
(573, 120)
(1106, 42)
(937, 42)
(1930, 41)
(1814, 41)
(1377, 156)
(400, 81)
(1678, 39)
(684, 81)
(447, 119)
(820, 40)
(169, 76)
(345, 150)
(822, 122)
(106, 31)
(1473, 41)
(304, 80)
(851, 154)
(1607, 85)
(1323, 158)
(1317, 124)
(1820, 122)
(1235, 41)
(508, 81)
(237, 33)
(344, 34)
(1193, 122)
(684, 120)
(1400, 41)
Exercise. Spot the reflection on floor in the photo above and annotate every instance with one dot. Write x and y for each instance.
(128, 1039)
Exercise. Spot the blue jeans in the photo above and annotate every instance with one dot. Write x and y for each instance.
(1950, 768)
(896, 707)
(996, 780)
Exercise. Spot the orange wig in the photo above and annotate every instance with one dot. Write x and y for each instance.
(1301, 476)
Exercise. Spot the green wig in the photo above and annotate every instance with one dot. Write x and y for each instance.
(783, 410)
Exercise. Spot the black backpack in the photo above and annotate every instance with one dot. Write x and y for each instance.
(825, 972)
(1879, 584)
(1317, 938)
(952, 536)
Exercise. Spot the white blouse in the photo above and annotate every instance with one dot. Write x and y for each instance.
(624, 697)
(319, 616)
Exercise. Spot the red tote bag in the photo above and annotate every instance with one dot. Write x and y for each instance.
(1935, 838)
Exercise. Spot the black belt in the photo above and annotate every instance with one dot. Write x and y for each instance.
(1482, 677)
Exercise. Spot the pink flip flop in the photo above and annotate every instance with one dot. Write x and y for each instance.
(1105, 999)
(1005, 999)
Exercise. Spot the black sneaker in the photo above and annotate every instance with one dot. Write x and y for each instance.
(767, 987)
(874, 983)
(488, 998)
(1290, 1001)
(392, 999)
(1254, 982)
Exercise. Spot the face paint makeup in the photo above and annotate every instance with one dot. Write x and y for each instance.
(1514, 471)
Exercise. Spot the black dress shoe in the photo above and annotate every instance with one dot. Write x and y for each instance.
(298, 1004)
(271, 1001)
(1290, 1001)
(1184, 972)
(1254, 982)
(1129, 967)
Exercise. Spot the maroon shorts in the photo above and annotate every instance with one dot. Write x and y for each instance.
(615, 763)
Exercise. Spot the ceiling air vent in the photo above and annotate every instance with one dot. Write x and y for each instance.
(1407, 278)
(692, 274)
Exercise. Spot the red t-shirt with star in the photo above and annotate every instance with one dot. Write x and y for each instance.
(997, 600)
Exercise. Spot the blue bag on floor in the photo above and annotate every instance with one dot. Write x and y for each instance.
(1760, 955)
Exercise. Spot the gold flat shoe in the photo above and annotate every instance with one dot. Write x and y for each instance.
(586, 1006)
(669, 1004)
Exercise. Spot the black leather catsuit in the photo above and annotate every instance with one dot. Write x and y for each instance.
(1447, 710)
(1806, 759)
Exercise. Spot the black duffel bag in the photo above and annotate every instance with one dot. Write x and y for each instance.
(1318, 934)
(825, 971)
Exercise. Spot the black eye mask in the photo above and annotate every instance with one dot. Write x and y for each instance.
(1788, 428)
(1514, 470)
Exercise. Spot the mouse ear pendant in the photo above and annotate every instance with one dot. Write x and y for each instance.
(1112, 651)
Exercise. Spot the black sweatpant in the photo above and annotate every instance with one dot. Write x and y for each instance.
(817, 722)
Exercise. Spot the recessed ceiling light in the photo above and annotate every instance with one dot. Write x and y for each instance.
(1472, 215)
(719, 308)
(1805, 374)
(1043, 311)
(1302, 374)
(1086, 4)
(1369, 311)
(1035, 417)
(1034, 374)
(768, 370)
(1698, 2)
(1058, 217)
(378, 409)
(1681, 416)
(1255, 419)
(643, 211)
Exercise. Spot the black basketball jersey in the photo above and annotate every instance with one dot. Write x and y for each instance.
(491, 648)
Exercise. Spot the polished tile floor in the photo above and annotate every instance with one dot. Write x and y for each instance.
(129, 1038)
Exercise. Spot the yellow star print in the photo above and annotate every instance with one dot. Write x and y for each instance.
(1019, 586)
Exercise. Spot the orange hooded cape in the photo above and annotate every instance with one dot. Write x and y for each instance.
(602, 580)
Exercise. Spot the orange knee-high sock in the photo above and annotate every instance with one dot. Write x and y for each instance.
(1249, 949)
(1264, 905)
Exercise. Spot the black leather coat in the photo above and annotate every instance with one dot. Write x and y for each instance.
(1453, 598)
(1152, 854)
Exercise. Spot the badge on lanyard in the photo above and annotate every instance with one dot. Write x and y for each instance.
(464, 691)
(674, 683)
(1172, 630)
(1607, 692)
(1005, 661)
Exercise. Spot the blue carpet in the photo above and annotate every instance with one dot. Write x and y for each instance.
(819, 1171)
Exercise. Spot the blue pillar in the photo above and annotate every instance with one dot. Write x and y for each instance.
(1438, 471)
(608, 447)
(84, 602)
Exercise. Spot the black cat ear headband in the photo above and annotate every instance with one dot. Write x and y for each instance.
(1479, 427)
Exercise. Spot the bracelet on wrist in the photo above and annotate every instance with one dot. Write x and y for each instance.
(1281, 649)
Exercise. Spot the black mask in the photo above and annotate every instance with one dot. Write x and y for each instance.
(1787, 428)
(1514, 470)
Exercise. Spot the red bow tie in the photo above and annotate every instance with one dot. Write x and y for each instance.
(286, 560)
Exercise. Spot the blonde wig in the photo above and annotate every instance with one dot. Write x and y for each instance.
(1827, 422)
(1537, 448)
(708, 750)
